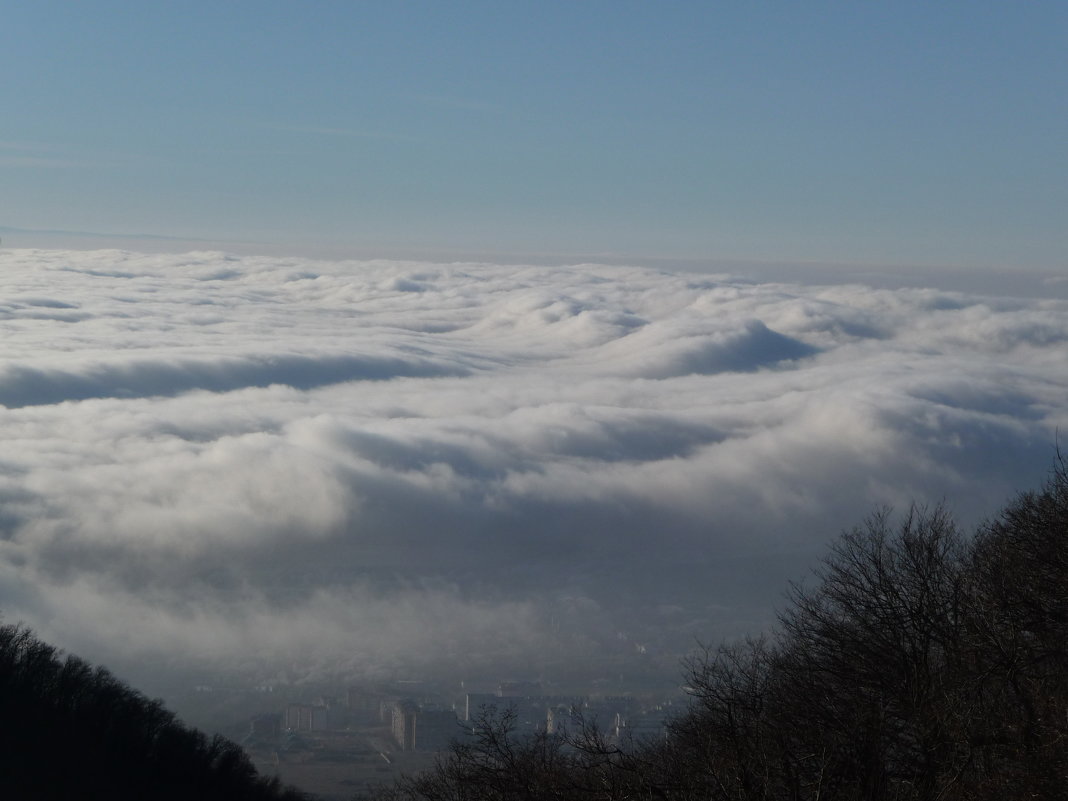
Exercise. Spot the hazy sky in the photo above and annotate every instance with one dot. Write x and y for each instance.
(896, 133)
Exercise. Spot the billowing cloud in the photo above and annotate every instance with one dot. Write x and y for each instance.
(347, 466)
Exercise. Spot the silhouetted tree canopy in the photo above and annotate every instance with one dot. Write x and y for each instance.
(919, 664)
(72, 731)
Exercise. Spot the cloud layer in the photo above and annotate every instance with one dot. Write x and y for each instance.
(354, 466)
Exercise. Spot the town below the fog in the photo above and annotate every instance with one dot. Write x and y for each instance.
(336, 740)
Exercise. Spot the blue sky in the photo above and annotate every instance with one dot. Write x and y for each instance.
(905, 133)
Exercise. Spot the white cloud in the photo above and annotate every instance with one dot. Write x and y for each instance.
(223, 459)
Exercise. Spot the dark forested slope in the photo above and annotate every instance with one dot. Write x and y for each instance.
(72, 731)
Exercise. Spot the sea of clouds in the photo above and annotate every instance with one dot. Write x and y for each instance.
(365, 466)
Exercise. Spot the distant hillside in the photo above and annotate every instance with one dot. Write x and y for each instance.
(73, 731)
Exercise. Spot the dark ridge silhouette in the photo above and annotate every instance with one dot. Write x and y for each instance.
(73, 731)
(920, 665)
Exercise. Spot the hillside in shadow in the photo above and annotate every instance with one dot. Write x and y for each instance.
(71, 730)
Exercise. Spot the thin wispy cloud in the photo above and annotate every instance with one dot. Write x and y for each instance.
(348, 466)
(37, 155)
(7, 144)
(41, 155)
(40, 161)
(460, 103)
(354, 133)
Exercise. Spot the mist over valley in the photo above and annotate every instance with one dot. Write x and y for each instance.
(289, 469)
